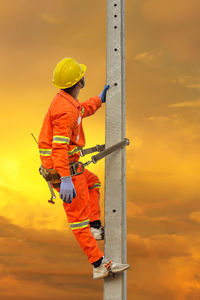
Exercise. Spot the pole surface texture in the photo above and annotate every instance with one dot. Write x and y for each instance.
(115, 164)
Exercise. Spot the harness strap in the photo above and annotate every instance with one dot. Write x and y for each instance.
(53, 177)
(109, 150)
(97, 148)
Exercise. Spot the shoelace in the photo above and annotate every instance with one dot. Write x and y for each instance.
(108, 265)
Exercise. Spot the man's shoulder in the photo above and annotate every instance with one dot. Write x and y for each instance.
(61, 105)
(62, 109)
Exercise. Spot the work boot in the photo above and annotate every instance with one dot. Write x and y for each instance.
(108, 266)
(98, 233)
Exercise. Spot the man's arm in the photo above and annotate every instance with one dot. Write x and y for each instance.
(63, 124)
(90, 106)
(44, 144)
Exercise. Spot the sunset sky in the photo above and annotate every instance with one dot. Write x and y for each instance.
(39, 256)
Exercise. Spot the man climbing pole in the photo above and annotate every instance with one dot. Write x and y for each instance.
(60, 140)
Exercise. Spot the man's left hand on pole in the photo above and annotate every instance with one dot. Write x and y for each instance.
(103, 93)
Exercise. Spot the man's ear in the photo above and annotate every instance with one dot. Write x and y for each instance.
(81, 82)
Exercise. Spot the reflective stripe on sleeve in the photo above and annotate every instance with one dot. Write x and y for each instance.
(96, 185)
(61, 139)
(78, 225)
(74, 150)
(45, 152)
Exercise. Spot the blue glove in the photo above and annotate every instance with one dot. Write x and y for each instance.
(67, 190)
(103, 94)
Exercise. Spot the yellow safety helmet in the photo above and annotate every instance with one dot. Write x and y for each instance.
(67, 73)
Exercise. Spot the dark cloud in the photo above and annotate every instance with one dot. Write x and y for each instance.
(50, 263)
(47, 263)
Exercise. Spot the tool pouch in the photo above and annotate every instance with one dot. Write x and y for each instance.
(51, 175)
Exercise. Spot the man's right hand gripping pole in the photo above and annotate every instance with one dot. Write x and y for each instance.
(67, 190)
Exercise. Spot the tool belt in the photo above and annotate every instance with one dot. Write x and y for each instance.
(76, 168)
(52, 176)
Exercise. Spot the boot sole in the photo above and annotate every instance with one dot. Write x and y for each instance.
(101, 277)
(114, 272)
(99, 239)
(120, 270)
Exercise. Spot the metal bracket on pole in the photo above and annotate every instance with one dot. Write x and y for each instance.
(109, 150)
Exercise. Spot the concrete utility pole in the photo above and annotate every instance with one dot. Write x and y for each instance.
(115, 168)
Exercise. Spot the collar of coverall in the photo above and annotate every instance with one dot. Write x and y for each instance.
(75, 102)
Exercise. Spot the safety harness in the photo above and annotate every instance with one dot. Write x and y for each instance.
(76, 168)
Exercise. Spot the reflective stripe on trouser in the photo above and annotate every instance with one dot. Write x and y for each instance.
(93, 186)
(78, 215)
(78, 225)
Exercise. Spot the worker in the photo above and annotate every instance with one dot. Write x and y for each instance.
(60, 140)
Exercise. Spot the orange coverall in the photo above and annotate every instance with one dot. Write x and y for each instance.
(61, 135)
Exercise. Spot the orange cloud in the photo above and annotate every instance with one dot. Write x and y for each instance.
(195, 216)
(162, 55)
(186, 104)
(144, 57)
(164, 246)
(170, 13)
(42, 265)
(49, 19)
(174, 26)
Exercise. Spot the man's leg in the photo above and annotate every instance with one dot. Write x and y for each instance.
(78, 214)
(94, 184)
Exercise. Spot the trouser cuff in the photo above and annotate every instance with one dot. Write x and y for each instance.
(95, 224)
(97, 263)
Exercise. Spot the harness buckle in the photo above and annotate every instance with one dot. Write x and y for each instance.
(81, 152)
(74, 168)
